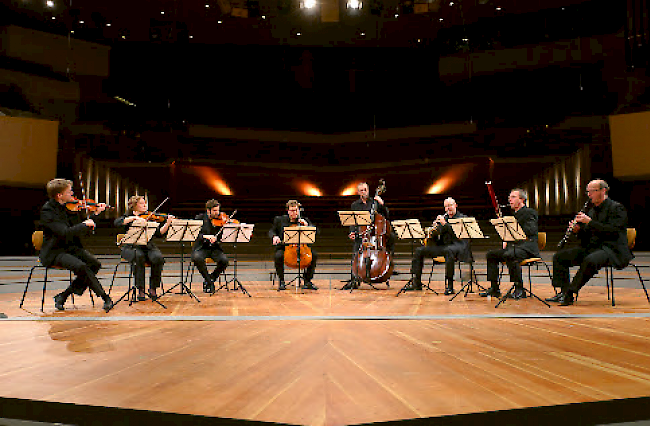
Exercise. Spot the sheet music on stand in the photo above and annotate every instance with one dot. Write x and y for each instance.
(466, 228)
(236, 233)
(184, 230)
(140, 235)
(299, 235)
(408, 229)
(354, 217)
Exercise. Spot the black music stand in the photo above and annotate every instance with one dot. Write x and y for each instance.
(354, 218)
(235, 233)
(182, 231)
(298, 235)
(509, 231)
(466, 228)
(409, 229)
(137, 235)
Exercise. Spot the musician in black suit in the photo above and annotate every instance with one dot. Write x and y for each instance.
(207, 246)
(276, 234)
(514, 252)
(364, 203)
(602, 232)
(141, 254)
(62, 245)
(442, 242)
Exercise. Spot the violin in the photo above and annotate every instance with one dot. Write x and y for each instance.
(222, 219)
(153, 217)
(297, 255)
(77, 205)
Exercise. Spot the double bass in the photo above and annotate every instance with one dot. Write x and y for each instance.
(374, 263)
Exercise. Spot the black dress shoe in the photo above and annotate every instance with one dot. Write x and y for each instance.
(211, 288)
(566, 299)
(152, 294)
(519, 293)
(309, 286)
(492, 292)
(59, 301)
(141, 295)
(449, 291)
(108, 304)
(555, 298)
(282, 286)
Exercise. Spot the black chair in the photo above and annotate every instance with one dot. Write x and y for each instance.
(609, 270)
(37, 242)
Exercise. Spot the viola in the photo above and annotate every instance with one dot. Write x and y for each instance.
(374, 263)
(77, 205)
(293, 252)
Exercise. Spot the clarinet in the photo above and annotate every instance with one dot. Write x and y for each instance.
(569, 230)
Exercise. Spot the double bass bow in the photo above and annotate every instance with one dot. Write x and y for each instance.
(374, 263)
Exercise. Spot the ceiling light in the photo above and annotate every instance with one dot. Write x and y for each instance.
(498, 8)
(81, 22)
(49, 3)
(108, 25)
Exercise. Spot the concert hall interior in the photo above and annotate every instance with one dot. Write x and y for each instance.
(254, 103)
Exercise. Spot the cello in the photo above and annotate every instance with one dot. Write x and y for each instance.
(374, 263)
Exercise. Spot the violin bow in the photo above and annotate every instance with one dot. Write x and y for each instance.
(227, 222)
(147, 218)
(83, 196)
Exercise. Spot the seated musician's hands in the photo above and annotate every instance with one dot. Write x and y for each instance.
(441, 220)
(352, 235)
(276, 240)
(379, 200)
(505, 245)
(303, 222)
(583, 218)
(170, 218)
(100, 208)
(89, 223)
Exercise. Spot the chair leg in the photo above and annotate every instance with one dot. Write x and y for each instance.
(27, 285)
(611, 277)
(641, 281)
(44, 288)
(607, 281)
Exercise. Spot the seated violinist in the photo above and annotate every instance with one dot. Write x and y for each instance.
(207, 245)
(62, 244)
(292, 218)
(140, 254)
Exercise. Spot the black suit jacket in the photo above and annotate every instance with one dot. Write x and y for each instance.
(607, 231)
(528, 221)
(367, 206)
(61, 231)
(279, 223)
(207, 229)
(447, 237)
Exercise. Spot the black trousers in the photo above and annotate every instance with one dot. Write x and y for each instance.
(512, 258)
(140, 255)
(590, 261)
(278, 259)
(85, 266)
(430, 252)
(199, 256)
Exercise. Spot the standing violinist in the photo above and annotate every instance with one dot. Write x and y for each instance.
(141, 254)
(364, 203)
(292, 218)
(207, 244)
(62, 245)
(444, 243)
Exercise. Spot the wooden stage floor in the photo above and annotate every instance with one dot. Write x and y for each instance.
(326, 357)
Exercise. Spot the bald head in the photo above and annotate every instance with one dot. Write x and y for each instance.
(597, 191)
(450, 207)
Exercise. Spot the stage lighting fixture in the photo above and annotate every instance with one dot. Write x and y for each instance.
(308, 4)
(49, 3)
(354, 4)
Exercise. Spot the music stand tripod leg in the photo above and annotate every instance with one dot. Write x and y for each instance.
(237, 285)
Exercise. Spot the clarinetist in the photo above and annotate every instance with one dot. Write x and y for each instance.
(603, 241)
(443, 243)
